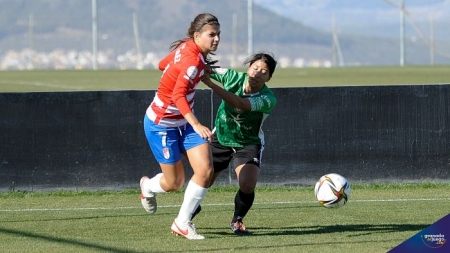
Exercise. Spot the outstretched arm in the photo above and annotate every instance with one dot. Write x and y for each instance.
(229, 97)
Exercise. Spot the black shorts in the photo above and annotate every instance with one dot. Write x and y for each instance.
(223, 155)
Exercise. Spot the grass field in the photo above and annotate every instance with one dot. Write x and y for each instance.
(377, 218)
(30, 81)
(283, 219)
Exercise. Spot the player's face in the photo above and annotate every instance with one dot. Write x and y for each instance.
(258, 75)
(208, 39)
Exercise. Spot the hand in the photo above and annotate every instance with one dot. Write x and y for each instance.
(209, 67)
(207, 81)
(203, 131)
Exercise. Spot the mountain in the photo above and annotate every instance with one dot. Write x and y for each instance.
(298, 36)
(378, 18)
(158, 21)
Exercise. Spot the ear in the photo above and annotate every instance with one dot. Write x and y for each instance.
(196, 36)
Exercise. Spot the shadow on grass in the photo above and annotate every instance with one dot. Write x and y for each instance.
(71, 218)
(256, 231)
(358, 229)
(275, 247)
(69, 242)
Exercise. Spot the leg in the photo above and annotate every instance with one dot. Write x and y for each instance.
(171, 179)
(199, 208)
(201, 162)
(221, 159)
(247, 172)
(164, 143)
(247, 176)
(199, 183)
(198, 153)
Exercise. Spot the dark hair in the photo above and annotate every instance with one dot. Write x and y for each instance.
(196, 26)
(268, 58)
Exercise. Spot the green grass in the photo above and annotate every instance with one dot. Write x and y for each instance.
(283, 219)
(377, 218)
(64, 80)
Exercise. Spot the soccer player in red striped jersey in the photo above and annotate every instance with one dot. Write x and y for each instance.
(173, 130)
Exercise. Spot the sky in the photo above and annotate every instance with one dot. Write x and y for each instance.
(367, 17)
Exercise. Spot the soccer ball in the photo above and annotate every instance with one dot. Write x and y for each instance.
(332, 190)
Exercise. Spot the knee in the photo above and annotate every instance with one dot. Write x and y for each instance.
(205, 177)
(174, 185)
(177, 186)
(247, 187)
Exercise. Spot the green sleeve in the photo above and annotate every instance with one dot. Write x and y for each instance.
(225, 76)
(264, 103)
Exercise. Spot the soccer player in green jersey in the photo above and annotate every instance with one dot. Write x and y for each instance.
(238, 137)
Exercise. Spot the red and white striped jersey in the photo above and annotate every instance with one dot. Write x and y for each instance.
(182, 69)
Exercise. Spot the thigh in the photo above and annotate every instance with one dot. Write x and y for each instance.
(164, 142)
(247, 161)
(201, 162)
(247, 175)
(198, 153)
(251, 154)
(189, 138)
(173, 176)
(221, 155)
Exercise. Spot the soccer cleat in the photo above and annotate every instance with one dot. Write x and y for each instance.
(239, 228)
(148, 201)
(188, 231)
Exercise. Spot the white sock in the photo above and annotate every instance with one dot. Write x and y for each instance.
(193, 196)
(153, 185)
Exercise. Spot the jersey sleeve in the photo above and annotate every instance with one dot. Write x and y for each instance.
(184, 86)
(225, 76)
(263, 103)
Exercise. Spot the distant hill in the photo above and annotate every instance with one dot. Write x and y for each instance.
(378, 18)
(67, 25)
(158, 20)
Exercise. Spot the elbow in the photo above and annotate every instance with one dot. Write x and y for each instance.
(243, 104)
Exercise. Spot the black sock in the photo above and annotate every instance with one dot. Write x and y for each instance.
(242, 203)
(199, 208)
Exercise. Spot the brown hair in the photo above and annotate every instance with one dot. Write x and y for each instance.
(196, 26)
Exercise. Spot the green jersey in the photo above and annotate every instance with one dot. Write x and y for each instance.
(236, 127)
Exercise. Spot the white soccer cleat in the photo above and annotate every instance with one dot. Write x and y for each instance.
(188, 231)
(148, 200)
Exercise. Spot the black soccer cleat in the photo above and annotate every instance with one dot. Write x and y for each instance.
(239, 228)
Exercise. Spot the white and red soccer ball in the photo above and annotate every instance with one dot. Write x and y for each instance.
(332, 190)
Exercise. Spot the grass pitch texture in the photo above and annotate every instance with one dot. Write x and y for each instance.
(88, 80)
(377, 218)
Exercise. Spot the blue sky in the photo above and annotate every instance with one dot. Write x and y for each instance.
(368, 17)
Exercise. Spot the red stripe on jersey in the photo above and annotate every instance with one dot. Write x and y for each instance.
(174, 98)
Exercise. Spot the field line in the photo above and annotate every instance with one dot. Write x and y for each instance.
(212, 204)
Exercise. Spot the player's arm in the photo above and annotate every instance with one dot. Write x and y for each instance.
(202, 130)
(229, 97)
(180, 100)
(179, 97)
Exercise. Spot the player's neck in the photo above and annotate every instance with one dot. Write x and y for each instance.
(250, 90)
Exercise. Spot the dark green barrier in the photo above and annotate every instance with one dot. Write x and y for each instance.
(95, 139)
(382, 133)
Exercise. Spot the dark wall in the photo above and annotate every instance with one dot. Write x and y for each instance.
(77, 139)
(92, 140)
(382, 133)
